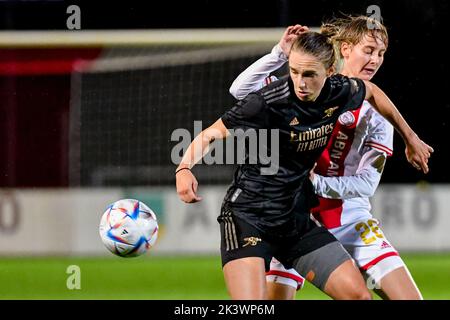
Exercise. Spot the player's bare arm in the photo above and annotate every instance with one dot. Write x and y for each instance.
(186, 182)
(417, 152)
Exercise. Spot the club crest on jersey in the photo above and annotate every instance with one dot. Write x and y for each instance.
(294, 122)
(251, 241)
(329, 112)
(347, 119)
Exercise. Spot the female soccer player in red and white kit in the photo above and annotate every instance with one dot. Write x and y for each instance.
(349, 170)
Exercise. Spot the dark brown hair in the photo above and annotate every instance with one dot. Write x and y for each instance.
(318, 45)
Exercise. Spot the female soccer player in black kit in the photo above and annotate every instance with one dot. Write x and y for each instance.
(265, 216)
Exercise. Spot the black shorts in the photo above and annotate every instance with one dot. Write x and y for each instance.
(241, 239)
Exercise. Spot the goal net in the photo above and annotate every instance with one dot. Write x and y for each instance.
(126, 104)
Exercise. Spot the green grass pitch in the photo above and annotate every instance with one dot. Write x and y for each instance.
(166, 278)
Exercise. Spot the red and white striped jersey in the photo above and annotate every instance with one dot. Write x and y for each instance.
(350, 169)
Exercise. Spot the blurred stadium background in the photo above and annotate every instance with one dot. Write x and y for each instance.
(87, 118)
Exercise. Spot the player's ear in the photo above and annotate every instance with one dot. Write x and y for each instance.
(331, 71)
(346, 49)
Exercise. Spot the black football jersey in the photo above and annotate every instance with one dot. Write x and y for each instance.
(302, 129)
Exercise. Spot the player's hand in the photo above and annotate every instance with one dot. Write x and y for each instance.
(418, 152)
(290, 35)
(187, 186)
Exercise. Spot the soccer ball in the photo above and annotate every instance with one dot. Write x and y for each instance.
(128, 228)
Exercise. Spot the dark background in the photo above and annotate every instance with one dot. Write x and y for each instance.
(414, 74)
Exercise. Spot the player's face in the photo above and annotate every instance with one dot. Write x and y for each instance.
(363, 59)
(308, 75)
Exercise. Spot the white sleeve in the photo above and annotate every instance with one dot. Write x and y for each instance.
(377, 147)
(381, 134)
(362, 184)
(252, 79)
